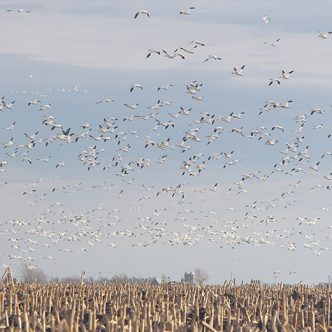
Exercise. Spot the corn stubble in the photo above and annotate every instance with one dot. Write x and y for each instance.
(165, 307)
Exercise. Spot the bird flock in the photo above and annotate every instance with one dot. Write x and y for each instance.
(157, 166)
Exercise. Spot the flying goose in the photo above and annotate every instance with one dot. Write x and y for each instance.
(212, 56)
(324, 35)
(278, 127)
(133, 107)
(197, 42)
(11, 127)
(165, 87)
(273, 44)
(151, 51)
(266, 19)
(133, 86)
(274, 80)
(107, 100)
(286, 75)
(19, 10)
(187, 11)
(238, 71)
(173, 55)
(188, 51)
(142, 11)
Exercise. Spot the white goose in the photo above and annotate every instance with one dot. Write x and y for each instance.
(151, 51)
(286, 75)
(238, 71)
(212, 57)
(324, 35)
(187, 11)
(266, 19)
(142, 11)
(134, 86)
(19, 10)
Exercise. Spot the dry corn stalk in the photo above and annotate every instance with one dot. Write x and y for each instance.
(166, 307)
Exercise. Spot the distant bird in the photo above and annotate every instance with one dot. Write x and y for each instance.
(273, 44)
(238, 71)
(286, 75)
(212, 56)
(271, 142)
(286, 104)
(324, 35)
(274, 80)
(165, 87)
(143, 11)
(62, 164)
(316, 111)
(45, 107)
(11, 127)
(278, 127)
(315, 167)
(107, 100)
(34, 102)
(173, 55)
(9, 144)
(151, 51)
(197, 42)
(19, 10)
(134, 86)
(237, 131)
(266, 19)
(187, 11)
(27, 159)
(188, 51)
(32, 136)
(5, 105)
(133, 107)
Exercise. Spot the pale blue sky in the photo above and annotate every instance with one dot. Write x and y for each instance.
(102, 48)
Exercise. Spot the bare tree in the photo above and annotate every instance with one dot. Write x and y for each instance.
(32, 274)
(201, 276)
(120, 278)
(165, 278)
(7, 277)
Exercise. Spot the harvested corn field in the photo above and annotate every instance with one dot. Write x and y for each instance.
(166, 307)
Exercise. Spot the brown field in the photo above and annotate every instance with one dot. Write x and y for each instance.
(166, 307)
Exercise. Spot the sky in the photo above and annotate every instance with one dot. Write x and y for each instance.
(210, 170)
